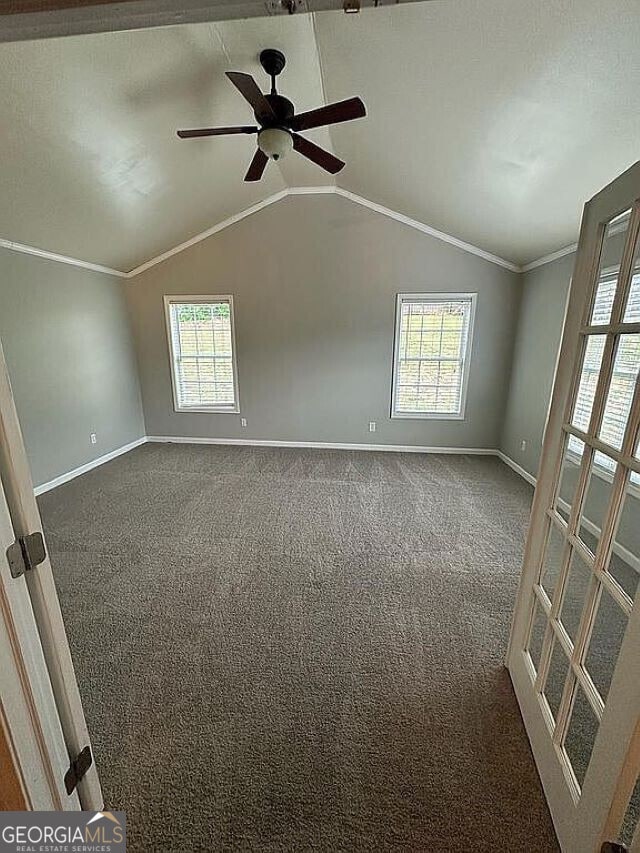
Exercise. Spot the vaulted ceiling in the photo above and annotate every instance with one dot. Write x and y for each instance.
(491, 120)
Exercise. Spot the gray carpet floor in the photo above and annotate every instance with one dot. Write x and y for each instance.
(291, 650)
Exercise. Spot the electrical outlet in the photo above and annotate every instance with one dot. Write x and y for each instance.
(372, 426)
(243, 422)
(523, 446)
(94, 438)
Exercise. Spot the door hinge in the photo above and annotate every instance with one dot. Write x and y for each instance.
(77, 769)
(25, 554)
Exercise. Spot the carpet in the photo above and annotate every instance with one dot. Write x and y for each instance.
(300, 650)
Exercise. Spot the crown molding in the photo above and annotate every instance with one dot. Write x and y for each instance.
(12, 246)
(329, 189)
(198, 238)
(427, 229)
(547, 259)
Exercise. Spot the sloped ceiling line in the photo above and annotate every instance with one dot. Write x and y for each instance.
(53, 256)
(272, 199)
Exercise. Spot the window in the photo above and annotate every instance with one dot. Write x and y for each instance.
(432, 354)
(202, 348)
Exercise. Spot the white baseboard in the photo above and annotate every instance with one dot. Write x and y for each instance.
(70, 475)
(321, 445)
(517, 468)
(259, 442)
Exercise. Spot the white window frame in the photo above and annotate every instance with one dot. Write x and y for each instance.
(466, 358)
(179, 299)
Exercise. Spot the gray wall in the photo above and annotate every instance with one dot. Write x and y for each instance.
(314, 280)
(539, 329)
(67, 341)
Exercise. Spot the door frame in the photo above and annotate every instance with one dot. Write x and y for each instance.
(578, 822)
(43, 675)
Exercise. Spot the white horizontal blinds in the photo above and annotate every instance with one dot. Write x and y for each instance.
(431, 355)
(626, 366)
(591, 364)
(202, 344)
(632, 311)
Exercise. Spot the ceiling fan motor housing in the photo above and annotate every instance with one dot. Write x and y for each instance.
(283, 109)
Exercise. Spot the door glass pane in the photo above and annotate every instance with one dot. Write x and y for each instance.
(631, 818)
(614, 240)
(591, 364)
(574, 595)
(624, 564)
(556, 677)
(569, 474)
(581, 735)
(632, 311)
(552, 562)
(602, 655)
(632, 308)
(623, 382)
(536, 635)
(596, 500)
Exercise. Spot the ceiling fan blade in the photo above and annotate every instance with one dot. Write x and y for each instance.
(248, 88)
(214, 131)
(318, 155)
(257, 166)
(331, 114)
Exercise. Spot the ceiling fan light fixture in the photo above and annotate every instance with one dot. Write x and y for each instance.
(275, 142)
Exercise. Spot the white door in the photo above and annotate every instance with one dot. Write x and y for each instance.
(27, 707)
(37, 668)
(574, 653)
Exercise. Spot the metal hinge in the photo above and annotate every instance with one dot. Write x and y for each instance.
(77, 769)
(25, 554)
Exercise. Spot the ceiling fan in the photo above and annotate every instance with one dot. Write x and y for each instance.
(278, 123)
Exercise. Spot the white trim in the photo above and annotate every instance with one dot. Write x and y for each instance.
(427, 229)
(329, 189)
(322, 445)
(198, 238)
(71, 475)
(53, 256)
(517, 468)
(472, 298)
(547, 259)
(258, 442)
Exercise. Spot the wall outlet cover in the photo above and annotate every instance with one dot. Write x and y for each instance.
(372, 426)
(94, 438)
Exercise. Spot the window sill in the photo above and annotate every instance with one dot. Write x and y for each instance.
(182, 410)
(435, 416)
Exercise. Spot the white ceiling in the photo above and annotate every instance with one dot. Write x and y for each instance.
(491, 120)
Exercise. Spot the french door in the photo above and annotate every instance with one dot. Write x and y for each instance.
(574, 652)
(40, 707)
